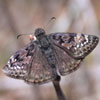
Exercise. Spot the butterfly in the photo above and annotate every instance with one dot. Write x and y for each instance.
(49, 55)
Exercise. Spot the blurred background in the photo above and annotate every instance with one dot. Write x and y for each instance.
(24, 16)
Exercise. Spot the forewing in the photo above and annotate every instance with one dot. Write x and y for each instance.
(70, 49)
(19, 63)
(76, 45)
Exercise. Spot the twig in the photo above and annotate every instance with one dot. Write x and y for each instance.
(59, 92)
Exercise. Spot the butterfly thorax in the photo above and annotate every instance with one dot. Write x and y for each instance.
(45, 46)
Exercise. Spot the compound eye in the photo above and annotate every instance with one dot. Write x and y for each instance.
(39, 32)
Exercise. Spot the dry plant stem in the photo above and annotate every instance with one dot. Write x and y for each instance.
(59, 92)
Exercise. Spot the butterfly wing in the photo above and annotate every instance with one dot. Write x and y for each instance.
(70, 49)
(19, 63)
(30, 65)
(66, 64)
(40, 71)
(76, 45)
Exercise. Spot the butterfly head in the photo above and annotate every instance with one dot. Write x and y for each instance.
(39, 32)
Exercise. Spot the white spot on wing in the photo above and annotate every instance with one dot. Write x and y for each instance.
(86, 37)
(77, 45)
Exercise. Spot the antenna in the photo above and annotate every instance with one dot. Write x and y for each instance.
(51, 19)
(30, 36)
(21, 35)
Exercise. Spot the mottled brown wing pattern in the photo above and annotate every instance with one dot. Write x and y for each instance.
(70, 49)
(40, 71)
(30, 65)
(76, 45)
(66, 64)
(19, 63)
